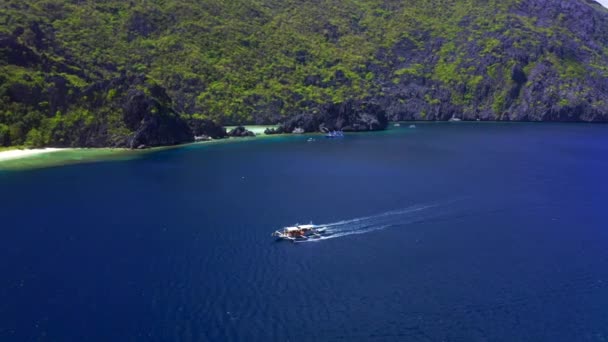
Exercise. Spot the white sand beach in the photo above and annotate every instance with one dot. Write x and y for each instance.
(18, 154)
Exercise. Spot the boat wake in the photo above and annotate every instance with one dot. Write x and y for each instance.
(362, 225)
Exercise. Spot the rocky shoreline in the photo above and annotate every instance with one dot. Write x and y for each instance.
(151, 121)
(530, 60)
(349, 116)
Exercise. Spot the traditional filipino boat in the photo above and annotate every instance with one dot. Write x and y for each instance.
(299, 232)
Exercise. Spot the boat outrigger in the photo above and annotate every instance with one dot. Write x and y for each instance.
(300, 232)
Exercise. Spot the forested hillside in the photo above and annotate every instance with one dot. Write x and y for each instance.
(124, 73)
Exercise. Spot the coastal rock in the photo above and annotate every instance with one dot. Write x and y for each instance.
(140, 112)
(205, 127)
(240, 132)
(306, 121)
(522, 60)
(354, 116)
(275, 130)
(153, 123)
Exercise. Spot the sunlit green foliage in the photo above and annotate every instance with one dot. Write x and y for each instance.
(233, 61)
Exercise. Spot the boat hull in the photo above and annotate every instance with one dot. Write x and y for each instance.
(300, 233)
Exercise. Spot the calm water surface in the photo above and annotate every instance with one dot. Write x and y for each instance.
(465, 232)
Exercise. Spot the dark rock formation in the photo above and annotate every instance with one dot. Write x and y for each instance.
(354, 116)
(516, 60)
(205, 127)
(277, 130)
(350, 116)
(240, 132)
(139, 114)
(545, 72)
(153, 123)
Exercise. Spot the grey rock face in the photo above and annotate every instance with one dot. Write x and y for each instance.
(554, 70)
(240, 132)
(347, 116)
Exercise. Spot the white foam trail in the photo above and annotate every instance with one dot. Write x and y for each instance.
(388, 213)
(354, 232)
(366, 224)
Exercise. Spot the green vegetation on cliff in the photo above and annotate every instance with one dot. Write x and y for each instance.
(64, 63)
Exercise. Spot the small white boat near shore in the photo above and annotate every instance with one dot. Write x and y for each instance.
(335, 134)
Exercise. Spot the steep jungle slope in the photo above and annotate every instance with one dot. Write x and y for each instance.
(70, 70)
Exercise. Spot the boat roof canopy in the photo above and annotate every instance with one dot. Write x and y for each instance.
(296, 228)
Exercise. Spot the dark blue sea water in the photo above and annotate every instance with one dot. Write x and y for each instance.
(453, 232)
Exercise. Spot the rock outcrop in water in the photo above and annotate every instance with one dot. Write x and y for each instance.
(349, 116)
(240, 132)
(206, 127)
(143, 74)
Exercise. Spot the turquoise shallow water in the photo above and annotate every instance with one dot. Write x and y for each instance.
(456, 232)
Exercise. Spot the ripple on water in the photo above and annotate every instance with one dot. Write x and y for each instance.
(522, 257)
